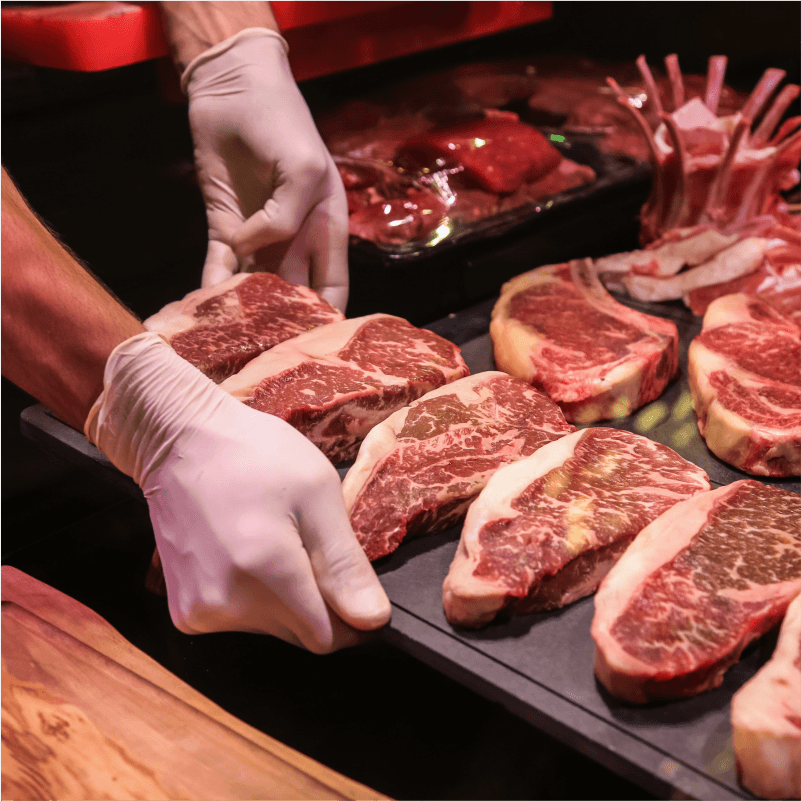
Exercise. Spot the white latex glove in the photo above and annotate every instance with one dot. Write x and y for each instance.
(249, 516)
(274, 197)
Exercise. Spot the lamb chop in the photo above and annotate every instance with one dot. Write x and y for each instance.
(722, 170)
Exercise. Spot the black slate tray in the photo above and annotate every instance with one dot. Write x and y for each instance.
(540, 666)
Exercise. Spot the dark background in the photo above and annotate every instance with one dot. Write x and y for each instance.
(106, 159)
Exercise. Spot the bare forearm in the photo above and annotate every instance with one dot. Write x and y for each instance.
(58, 323)
(193, 27)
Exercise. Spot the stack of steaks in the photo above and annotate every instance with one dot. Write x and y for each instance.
(284, 350)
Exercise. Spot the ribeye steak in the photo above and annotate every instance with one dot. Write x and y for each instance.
(559, 329)
(336, 382)
(696, 586)
(745, 379)
(221, 328)
(766, 718)
(546, 529)
(419, 470)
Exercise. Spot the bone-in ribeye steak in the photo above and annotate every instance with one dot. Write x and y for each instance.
(546, 529)
(745, 378)
(766, 718)
(559, 329)
(221, 328)
(338, 381)
(419, 470)
(696, 586)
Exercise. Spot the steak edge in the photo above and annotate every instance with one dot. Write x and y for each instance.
(695, 587)
(766, 718)
(221, 328)
(745, 378)
(559, 329)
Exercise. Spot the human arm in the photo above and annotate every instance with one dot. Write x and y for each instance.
(193, 27)
(248, 515)
(59, 324)
(274, 197)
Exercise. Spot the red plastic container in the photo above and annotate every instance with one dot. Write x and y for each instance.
(324, 37)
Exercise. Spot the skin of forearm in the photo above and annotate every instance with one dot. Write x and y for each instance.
(59, 324)
(193, 27)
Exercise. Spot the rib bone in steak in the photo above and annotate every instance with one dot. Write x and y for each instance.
(697, 585)
(221, 328)
(559, 329)
(766, 718)
(419, 470)
(546, 530)
(745, 379)
(338, 381)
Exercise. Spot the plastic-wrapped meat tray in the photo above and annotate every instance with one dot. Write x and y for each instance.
(424, 284)
(540, 666)
(611, 170)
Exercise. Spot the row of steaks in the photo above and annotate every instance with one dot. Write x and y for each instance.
(550, 509)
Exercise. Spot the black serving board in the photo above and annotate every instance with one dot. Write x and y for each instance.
(540, 666)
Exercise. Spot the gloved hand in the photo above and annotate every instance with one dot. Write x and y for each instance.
(274, 197)
(249, 516)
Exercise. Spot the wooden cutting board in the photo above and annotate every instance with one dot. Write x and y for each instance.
(86, 715)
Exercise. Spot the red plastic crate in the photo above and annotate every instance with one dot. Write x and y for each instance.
(324, 37)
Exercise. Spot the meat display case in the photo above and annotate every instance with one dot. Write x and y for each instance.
(540, 666)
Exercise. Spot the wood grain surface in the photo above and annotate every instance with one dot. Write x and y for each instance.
(86, 715)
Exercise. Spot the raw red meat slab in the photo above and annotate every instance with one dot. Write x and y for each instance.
(499, 155)
(546, 529)
(419, 470)
(336, 382)
(558, 328)
(697, 585)
(766, 718)
(744, 371)
(219, 329)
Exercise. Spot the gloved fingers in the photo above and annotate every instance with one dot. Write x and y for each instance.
(221, 263)
(297, 187)
(351, 587)
(327, 235)
(270, 590)
(316, 257)
(284, 591)
(346, 579)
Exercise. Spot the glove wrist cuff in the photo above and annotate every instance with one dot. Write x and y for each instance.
(148, 390)
(224, 46)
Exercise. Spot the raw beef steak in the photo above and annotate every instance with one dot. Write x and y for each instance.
(766, 718)
(419, 470)
(338, 381)
(546, 529)
(745, 378)
(219, 329)
(497, 154)
(559, 329)
(696, 586)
